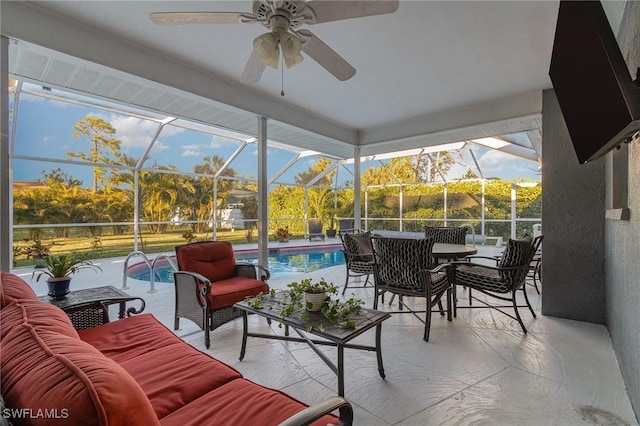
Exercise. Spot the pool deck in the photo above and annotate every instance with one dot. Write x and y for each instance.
(478, 369)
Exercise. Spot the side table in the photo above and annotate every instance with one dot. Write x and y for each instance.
(90, 307)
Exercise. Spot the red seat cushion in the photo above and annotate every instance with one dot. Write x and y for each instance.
(227, 292)
(14, 288)
(170, 372)
(213, 259)
(49, 370)
(237, 401)
(129, 337)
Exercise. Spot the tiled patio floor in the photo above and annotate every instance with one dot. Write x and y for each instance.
(478, 369)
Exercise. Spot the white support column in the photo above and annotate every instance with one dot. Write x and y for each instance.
(445, 196)
(401, 206)
(214, 210)
(6, 254)
(263, 199)
(513, 211)
(483, 230)
(136, 208)
(357, 213)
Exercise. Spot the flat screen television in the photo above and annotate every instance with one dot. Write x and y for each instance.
(598, 98)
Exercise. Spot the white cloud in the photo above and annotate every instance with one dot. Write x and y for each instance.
(138, 133)
(191, 153)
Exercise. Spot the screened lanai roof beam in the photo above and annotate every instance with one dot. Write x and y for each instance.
(390, 172)
(14, 118)
(352, 174)
(476, 162)
(435, 164)
(233, 157)
(332, 166)
(145, 155)
(284, 169)
(96, 105)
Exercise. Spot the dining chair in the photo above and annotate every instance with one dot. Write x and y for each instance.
(501, 281)
(402, 266)
(358, 256)
(446, 235)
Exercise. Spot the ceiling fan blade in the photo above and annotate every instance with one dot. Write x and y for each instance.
(253, 70)
(183, 18)
(326, 56)
(327, 10)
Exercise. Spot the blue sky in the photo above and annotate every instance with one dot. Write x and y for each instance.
(45, 126)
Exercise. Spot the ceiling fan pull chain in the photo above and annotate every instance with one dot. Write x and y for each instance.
(282, 75)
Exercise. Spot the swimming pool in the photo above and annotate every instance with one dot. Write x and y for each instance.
(282, 263)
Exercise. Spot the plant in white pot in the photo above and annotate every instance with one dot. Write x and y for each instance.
(59, 269)
(314, 293)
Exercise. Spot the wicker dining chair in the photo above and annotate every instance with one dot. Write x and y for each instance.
(209, 282)
(402, 267)
(446, 235)
(501, 281)
(358, 256)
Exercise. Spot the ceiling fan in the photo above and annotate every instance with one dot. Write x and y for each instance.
(283, 19)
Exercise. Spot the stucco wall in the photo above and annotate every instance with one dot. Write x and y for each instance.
(573, 212)
(622, 242)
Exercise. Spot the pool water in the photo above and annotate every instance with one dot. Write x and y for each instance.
(281, 263)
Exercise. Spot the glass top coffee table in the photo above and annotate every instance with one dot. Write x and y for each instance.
(318, 326)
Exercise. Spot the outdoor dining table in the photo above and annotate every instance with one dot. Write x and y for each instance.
(452, 251)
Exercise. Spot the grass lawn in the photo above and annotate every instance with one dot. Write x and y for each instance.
(109, 245)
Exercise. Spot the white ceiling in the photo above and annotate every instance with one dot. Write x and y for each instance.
(430, 73)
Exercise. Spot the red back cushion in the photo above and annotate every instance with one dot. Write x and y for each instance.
(213, 259)
(13, 288)
(52, 370)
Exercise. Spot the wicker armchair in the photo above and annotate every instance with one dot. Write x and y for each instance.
(210, 282)
(358, 256)
(498, 282)
(401, 266)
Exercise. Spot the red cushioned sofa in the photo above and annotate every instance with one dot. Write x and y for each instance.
(133, 371)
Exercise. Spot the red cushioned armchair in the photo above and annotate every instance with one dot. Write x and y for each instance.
(210, 281)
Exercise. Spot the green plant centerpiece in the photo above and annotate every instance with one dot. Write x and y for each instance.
(283, 234)
(59, 269)
(297, 300)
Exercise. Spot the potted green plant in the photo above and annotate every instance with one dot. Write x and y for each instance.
(283, 234)
(59, 269)
(297, 298)
(331, 231)
(314, 293)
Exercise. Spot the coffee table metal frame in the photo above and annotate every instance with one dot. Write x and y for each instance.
(333, 335)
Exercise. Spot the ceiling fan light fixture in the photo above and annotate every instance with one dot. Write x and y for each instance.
(291, 49)
(266, 47)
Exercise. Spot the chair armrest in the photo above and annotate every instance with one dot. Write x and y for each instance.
(495, 258)
(440, 267)
(497, 268)
(314, 412)
(350, 256)
(206, 289)
(96, 312)
(252, 270)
